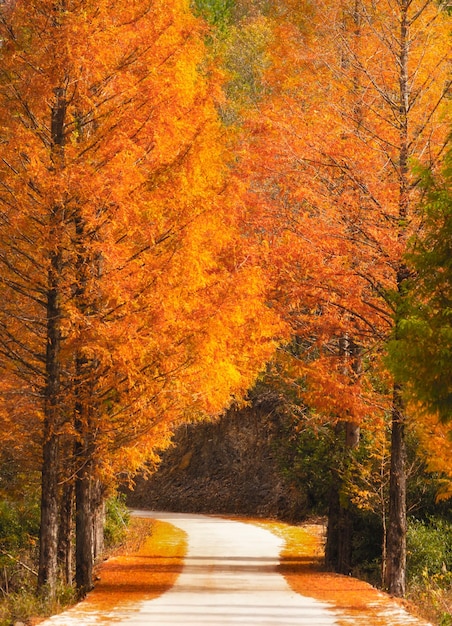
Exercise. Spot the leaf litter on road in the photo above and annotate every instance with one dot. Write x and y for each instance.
(151, 569)
(362, 604)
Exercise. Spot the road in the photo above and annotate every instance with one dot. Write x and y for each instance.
(229, 577)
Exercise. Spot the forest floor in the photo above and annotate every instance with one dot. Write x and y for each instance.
(195, 569)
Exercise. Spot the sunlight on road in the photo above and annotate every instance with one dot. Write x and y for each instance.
(230, 576)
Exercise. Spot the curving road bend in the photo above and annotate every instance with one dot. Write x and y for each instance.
(229, 577)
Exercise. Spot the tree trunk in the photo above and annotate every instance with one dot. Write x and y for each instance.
(65, 550)
(48, 554)
(395, 570)
(47, 571)
(85, 413)
(98, 504)
(338, 549)
(84, 540)
(395, 567)
(48, 536)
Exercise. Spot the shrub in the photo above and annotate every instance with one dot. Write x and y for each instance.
(116, 521)
(19, 524)
(429, 560)
(429, 551)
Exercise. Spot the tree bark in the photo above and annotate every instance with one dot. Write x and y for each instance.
(339, 548)
(84, 543)
(396, 535)
(395, 567)
(98, 504)
(48, 536)
(47, 571)
(48, 554)
(65, 549)
(85, 416)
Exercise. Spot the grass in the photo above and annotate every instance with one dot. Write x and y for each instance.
(434, 599)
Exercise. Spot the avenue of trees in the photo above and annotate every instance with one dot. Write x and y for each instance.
(189, 193)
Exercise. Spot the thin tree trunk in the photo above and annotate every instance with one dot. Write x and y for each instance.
(339, 544)
(395, 568)
(396, 533)
(84, 544)
(338, 549)
(48, 554)
(65, 549)
(48, 536)
(85, 415)
(47, 571)
(98, 504)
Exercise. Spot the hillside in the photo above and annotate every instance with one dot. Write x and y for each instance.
(233, 465)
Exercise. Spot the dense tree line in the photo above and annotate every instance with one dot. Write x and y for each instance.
(190, 192)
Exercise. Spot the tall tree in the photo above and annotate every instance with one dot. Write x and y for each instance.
(128, 296)
(354, 99)
(422, 343)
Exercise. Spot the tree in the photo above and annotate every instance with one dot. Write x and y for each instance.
(354, 99)
(422, 342)
(128, 300)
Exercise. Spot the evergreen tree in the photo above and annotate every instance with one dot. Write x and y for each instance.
(421, 354)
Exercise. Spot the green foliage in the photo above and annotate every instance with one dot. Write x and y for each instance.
(19, 524)
(446, 619)
(429, 561)
(429, 551)
(420, 354)
(19, 530)
(367, 546)
(245, 53)
(309, 468)
(117, 520)
(239, 39)
(20, 606)
(216, 12)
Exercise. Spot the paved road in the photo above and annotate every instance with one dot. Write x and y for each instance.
(229, 577)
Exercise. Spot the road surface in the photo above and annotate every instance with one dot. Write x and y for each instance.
(229, 577)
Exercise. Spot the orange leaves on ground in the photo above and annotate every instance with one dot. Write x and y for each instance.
(358, 602)
(141, 574)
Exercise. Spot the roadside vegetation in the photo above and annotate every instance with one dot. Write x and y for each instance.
(310, 459)
(429, 547)
(274, 459)
(19, 532)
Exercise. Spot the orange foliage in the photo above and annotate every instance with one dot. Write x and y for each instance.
(325, 157)
(357, 601)
(436, 445)
(157, 295)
